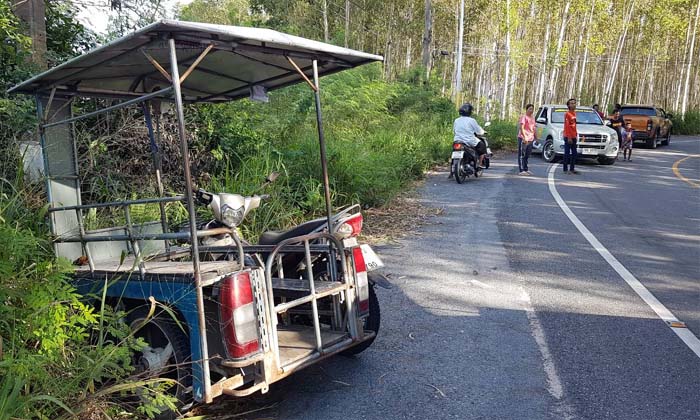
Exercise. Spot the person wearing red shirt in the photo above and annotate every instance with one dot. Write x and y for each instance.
(570, 137)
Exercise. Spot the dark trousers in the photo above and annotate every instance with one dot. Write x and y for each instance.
(569, 153)
(524, 151)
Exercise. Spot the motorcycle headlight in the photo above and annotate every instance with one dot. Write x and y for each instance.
(231, 217)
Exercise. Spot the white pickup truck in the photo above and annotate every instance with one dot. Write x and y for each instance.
(595, 139)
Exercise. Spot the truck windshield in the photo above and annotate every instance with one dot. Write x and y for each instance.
(583, 116)
(638, 111)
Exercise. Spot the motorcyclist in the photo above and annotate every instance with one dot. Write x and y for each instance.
(466, 129)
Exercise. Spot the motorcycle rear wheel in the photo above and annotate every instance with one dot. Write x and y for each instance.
(459, 172)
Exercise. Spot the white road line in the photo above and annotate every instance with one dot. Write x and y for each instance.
(554, 386)
(683, 333)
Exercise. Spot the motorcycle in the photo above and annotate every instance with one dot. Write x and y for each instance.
(465, 160)
(231, 209)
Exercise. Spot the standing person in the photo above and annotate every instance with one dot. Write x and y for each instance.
(570, 137)
(595, 108)
(618, 124)
(526, 135)
(627, 142)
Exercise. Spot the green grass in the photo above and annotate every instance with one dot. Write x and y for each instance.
(688, 124)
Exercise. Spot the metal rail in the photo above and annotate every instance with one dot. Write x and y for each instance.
(313, 296)
(112, 108)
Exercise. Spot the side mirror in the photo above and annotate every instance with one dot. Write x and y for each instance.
(542, 120)
(487, 123)
(608, 123)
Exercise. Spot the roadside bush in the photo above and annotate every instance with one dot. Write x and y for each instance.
(379, 136)
(688, 124)
(59, 356)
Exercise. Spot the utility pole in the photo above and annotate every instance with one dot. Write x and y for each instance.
(458, 77)
(33, 14)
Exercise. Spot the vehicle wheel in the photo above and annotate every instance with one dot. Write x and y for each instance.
(604, 160)
(548, 153)
(460, 173)
(651, 143)
(167, 355)
(667, 140)
(371, 324)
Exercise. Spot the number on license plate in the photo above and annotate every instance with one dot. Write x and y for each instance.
(372, 260)
(588, 151)
(457, 155)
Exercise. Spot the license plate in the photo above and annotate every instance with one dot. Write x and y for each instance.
(589, 151)
(457, 155)
(372, 260)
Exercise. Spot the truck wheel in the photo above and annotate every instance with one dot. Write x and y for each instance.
(667, 141)
(166, 356)
(651, 143)
(548, 153)
(371, 324)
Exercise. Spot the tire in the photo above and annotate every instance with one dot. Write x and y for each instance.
(667, 140)
(371, 323)
(460, 175)
(548, 153)
(604, 160)
(158, 331)
(652, 142)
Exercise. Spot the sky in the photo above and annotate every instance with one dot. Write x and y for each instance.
(97, 18)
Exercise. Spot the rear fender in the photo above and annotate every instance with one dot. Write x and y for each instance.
(376, 278)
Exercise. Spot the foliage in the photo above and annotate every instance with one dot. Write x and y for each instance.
(379, 135)
(13, 48)
(60, 355)
(65, 36)
(688, 123)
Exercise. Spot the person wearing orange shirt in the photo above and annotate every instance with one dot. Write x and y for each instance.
(570, 137)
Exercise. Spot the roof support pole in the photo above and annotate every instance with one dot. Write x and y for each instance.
(204, 361)
(322, 144)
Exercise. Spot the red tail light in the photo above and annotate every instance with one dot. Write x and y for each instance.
(351, 227)
(456, 146)
(238, 320)
(362, 282)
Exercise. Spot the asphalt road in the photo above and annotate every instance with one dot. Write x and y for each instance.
(501, 309)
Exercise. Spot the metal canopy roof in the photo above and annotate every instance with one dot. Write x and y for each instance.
(239, 58)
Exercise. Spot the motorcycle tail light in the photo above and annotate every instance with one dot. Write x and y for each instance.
(351, 227)
(456, 146)
(237, 316)
(362, 282)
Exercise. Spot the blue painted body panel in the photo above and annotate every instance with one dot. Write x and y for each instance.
(180, 294)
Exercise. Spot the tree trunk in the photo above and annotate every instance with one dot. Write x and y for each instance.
(504, 102)
(616, 60)
(325, 21)
(347, 23)
(460, 58)
(427, 36)
(684, 105)
(543, 69)
(551, 91)
(33, 14)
